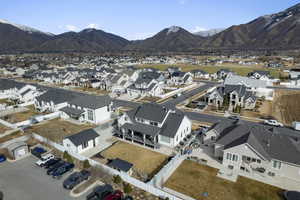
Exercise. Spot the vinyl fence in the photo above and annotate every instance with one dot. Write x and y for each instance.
(135, 182)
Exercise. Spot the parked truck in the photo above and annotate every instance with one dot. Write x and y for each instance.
(296, 126)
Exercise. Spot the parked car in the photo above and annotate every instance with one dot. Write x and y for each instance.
(128, 198)
(273, 122)
(62, 170)
(51, 162)
(38, 151)
(2, 158)
(54, 167)
(291, 195)
(234, 117)
(100, 192)
(76, 178)
(116, 195)
(44, 159)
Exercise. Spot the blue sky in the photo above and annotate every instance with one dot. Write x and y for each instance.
(136, 19)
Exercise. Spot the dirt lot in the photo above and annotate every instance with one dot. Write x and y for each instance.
(149, 99)
(194, 179)
(286, 106)
(21, 116)
(57, 129)
(3, 129)
(11, 136)
(144, 160)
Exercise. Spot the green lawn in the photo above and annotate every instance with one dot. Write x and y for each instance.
(194, 179)
(239, 69)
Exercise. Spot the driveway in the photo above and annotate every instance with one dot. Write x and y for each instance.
(22, 180)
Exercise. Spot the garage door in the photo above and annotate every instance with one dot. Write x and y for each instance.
(21, 152)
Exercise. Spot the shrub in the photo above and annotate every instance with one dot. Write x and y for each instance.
(117, 179)
(86, 164)
(68, 157)
(127, 188)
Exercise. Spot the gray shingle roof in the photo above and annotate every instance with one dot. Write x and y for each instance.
(152, 112)
(142, 128)
(72, 111)
(83, 136)
(270, 143)
(120, 165)
(172, 124)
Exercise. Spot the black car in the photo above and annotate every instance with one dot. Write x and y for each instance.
(51, 162)
(291, 195)
(54, 167)
(100, 192)
(76, 178)
(62, 170)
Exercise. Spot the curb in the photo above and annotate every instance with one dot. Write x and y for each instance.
(72, 194)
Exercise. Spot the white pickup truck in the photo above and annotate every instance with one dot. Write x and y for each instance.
(272, 122)
(44, 159)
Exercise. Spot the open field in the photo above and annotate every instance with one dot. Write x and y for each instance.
(194, 179)
(57, 129)
(3, 129)
(4, 101)
(239, 69)
(11, 136)
(286, 106)
(21, 116)
(144, 160)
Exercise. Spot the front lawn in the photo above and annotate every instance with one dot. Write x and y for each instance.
(193, 179)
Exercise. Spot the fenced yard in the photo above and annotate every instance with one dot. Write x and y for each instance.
(144, 160)
(194, 180)
(57, 129)
(21, 116)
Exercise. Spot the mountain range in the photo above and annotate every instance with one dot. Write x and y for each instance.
(276, 31)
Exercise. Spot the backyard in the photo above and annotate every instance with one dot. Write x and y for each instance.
(3, 129)
(239, 69)
(21, 116)
(57, 129)
(194, 180)
(144, 160)
(286, 106)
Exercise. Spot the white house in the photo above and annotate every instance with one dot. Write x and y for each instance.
(153, 125)
(82, 141)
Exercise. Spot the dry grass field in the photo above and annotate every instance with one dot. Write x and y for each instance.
(239, 69)
(286, 106)
(57, 129)
(21, 116)
(3, 129)
(11, 136)
(194, 179)
(144, 160)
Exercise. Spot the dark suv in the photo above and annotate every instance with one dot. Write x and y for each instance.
(55, 166)
(62, 170)
(100, 192)
(76, 178)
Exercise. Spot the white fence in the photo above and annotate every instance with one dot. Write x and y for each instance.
(7, 124)
(177, 91)
(135, 182)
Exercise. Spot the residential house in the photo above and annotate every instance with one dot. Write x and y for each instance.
(261, 75)
(200, 74)
(181, 78)
(82, 141)
(255, 151)
(152, 125)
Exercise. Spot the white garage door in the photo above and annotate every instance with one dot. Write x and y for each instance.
(21, 152)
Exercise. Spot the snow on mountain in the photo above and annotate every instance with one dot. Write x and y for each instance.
(173, 29)
(24, 28)
(210, 32)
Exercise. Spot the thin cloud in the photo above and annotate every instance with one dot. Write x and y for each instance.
(198, 29)
(95, 26)
(182, 2)
(71, 27)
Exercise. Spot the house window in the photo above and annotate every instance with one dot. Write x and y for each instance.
(85, 145)
(232, 157)
(90, 115)
(276, 164)
(165, 139)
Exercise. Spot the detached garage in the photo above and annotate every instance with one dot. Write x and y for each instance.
(18, 150)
